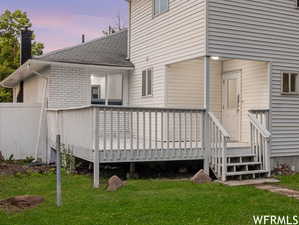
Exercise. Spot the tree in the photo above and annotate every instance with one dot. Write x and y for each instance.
(11, 24)
(119, 25)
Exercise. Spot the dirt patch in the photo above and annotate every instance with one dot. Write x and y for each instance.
(8, 169)
(20, 203)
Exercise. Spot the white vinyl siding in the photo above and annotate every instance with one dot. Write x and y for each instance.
(33, 89)
(265, 31)
(171, 37)
(185, 85)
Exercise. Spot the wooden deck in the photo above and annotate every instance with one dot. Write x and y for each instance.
(108, 134)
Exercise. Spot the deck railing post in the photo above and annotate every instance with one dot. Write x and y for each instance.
(96, 152)
(224, 168)
(204, 140)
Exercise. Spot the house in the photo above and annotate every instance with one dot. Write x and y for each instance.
(209, 80)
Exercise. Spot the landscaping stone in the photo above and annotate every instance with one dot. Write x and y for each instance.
(201, 178)
(280, 190)
(19, 203)
(114, 183)
(1, 157)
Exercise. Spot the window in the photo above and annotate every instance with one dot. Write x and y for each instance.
(96, 93)
(297, 3)
(289, 83)
(107, 89)
(147, 82)
(160, 6)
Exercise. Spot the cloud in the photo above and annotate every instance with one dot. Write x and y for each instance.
(65, 30)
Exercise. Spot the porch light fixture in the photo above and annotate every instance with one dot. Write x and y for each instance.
(215, 57)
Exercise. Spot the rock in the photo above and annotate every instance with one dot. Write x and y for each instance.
(22, 202)
(114, 183)
(201, 178)
(1, 157)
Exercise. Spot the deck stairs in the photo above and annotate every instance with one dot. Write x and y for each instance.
(242, 164)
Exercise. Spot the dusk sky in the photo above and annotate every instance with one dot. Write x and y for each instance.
(61, 23)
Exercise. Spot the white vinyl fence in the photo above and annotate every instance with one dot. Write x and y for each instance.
(19, 129)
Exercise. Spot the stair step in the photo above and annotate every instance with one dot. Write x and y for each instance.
(244, 164)
(246, 172)
(240, 155)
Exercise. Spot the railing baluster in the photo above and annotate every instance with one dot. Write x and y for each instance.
(167, 115)
(196, 131)
(131, 135)
(111, 135)
(150, 134)
(105, 135)
(144, 127)
(162, 138)
(185, 115)
(156, 133)
(173, 134)
(191, 136)
(118, 130)
(125, 133)
(138, 147)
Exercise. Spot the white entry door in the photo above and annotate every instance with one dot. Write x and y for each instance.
(231, 86)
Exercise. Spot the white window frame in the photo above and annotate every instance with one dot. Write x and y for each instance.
(289, 92)
(145, 90)
(98, 87)
(159, 11)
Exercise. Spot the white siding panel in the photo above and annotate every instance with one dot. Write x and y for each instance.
(33, 90)
(185, 85)
(173, 36)
(262, 30)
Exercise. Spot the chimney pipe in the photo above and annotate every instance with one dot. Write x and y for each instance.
(26, 45)
(83, 38)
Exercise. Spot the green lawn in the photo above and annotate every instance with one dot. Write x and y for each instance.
(159, 202)
(290, 181)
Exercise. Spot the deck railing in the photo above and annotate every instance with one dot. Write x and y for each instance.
(260, 138)
(262, 115)
(217, 144)
(130, 134)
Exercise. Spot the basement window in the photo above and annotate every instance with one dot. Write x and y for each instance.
(289, 83)
(160, 6)
(147, 82)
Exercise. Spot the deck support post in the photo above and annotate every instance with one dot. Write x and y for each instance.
(132, 171)
(205, 130)
(96, 152)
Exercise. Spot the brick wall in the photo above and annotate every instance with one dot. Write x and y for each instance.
(69, 86)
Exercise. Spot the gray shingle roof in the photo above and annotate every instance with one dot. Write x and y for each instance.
(108, 51)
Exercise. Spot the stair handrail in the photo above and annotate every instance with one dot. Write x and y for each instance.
(219, 125)
(260, 142)
(218, 139)
(259, 126)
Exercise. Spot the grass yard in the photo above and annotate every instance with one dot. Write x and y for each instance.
(143, 202)
(291, 182)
